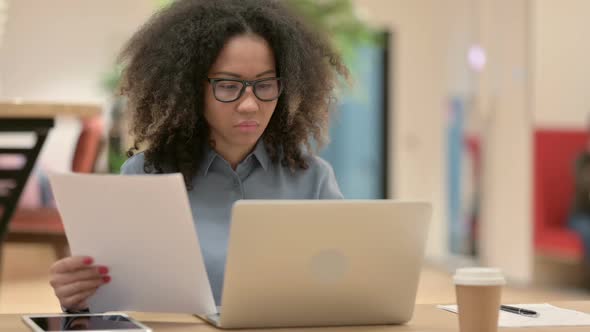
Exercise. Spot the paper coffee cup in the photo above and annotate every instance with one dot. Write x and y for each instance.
(479, 292)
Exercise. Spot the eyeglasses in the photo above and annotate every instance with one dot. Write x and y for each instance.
(227, 90)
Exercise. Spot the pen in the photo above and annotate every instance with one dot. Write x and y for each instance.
(519, 311)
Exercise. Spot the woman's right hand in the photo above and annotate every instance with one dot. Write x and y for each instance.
(75, 279)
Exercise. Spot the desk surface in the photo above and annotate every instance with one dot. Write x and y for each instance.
(426, 319)
(46, 110)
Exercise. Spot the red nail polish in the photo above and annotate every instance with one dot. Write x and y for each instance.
(106, 279)
(88, 261)
(103, 270)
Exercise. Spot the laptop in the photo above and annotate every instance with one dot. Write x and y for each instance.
(322, 263)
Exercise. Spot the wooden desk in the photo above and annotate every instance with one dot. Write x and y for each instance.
(36, 118)
(426, 319)
(11, 110)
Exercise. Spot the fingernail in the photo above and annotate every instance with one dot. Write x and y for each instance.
(106, 279)
(103, 270)
(88, 261)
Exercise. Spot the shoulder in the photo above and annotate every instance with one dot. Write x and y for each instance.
(318, 170)
(134, 165)
(318, 166)
(325, 179)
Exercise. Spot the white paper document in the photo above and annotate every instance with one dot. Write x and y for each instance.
(141, 228)
(549, 315)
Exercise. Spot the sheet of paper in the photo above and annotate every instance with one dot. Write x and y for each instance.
(549, 315)
(140, 227)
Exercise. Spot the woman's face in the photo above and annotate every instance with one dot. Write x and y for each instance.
(240, 123)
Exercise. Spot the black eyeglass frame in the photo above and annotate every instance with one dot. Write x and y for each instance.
(245, 84)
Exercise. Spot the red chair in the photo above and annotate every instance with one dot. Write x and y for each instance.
(555, 154)
(43, 224)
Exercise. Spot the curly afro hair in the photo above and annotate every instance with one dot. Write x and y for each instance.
(167, 61)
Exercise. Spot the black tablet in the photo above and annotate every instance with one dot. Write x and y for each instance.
(84, 322)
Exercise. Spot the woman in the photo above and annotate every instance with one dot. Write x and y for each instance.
(230, 94)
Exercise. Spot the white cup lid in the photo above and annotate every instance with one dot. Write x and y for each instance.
(479, 276)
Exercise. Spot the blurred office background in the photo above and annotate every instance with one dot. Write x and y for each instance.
(479, 106)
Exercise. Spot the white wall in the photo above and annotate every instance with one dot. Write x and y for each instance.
(561, 63)
(419, 92)
(538, 76)
(463, 21)
(429, 52)
(3, 19)
(504, 97)
(59, 50)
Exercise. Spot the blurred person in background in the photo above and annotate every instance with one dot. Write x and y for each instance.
(579, 219)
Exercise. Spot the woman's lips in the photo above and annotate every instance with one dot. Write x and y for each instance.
(247, 126)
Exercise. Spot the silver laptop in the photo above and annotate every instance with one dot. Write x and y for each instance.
(322, 263)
